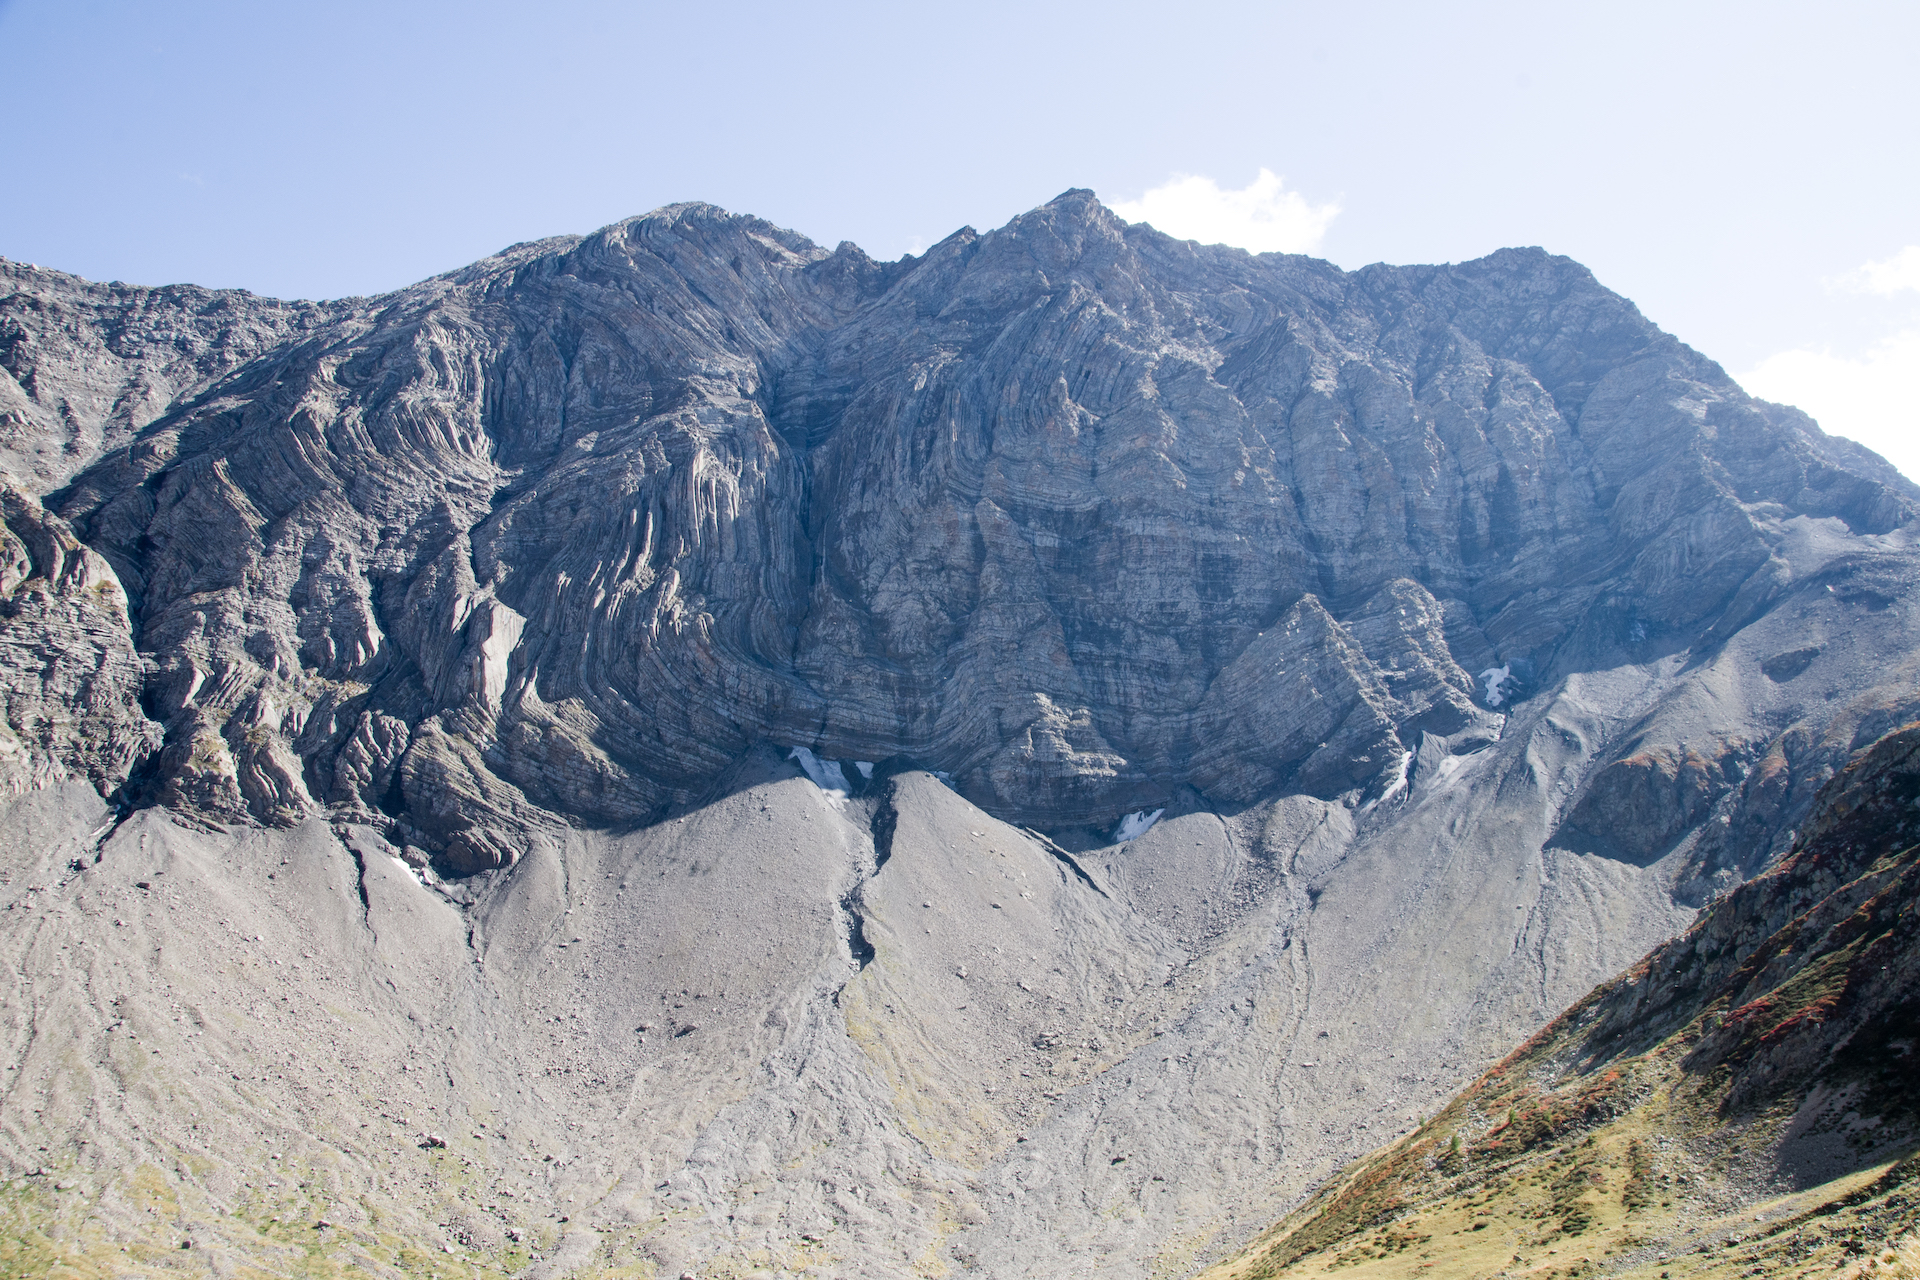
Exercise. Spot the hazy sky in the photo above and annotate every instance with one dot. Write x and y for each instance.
(1748, 173)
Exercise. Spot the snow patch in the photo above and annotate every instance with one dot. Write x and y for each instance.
(826, 774)
(865, 767)
(1399, 784)
(1499, 682)
(1135, 825)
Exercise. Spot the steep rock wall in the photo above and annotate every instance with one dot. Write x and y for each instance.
(1075, 512)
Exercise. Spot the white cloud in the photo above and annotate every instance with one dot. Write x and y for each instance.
(1262, 217)
(1874, 399)
(1897, 274)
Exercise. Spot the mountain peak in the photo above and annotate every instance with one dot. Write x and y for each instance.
(900, 731)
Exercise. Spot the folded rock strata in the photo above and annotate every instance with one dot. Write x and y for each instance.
(1075, 512)
(441, 657)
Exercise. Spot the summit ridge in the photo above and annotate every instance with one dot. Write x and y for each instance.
(441, 667)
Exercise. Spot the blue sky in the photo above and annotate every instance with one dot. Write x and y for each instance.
(1748, 173)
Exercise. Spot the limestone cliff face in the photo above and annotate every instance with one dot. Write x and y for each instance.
(69, 674)
(1081, 514)
(1463, 631)
(84, 366)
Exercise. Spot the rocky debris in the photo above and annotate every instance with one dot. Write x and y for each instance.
(1012, 701)
(1768, 1047)
(1782, 667)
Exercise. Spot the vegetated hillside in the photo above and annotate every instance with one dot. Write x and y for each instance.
(1744, 1101)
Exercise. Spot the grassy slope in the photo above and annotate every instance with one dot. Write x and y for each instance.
(1742, 1102)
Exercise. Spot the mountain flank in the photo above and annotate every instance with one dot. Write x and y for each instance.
(1744, 1101)
(682, 750)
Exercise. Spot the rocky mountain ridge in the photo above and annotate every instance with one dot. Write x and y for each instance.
(1074, 512)
(88, 366)
(1035, 753)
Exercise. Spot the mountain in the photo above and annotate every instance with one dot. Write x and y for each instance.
(1741, 1102)
(89, 365)
(1018, 759)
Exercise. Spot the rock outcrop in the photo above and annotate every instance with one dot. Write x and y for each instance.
(69, 673)
(1016, 761)
(1075, 512)
(84, 366)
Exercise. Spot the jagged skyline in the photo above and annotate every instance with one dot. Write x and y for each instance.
(188, 145)
(1241, 699)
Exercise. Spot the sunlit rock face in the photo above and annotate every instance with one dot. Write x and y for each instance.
(1017, 762)
(1075, 512)
(85, 366)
